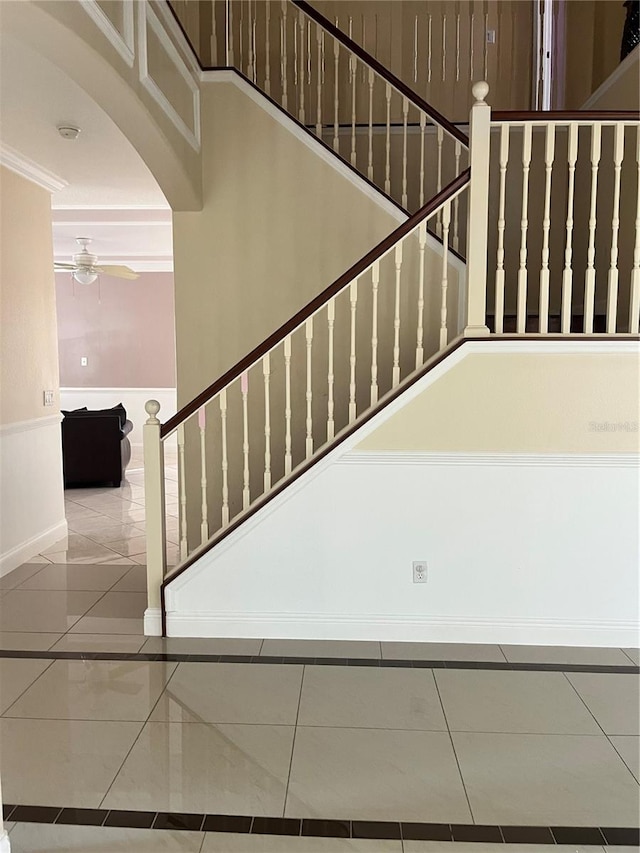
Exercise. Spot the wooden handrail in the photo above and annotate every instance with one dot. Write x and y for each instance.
(561, 115)
(298, 319)
(372, 62)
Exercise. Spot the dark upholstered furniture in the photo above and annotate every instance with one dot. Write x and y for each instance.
(95, 447)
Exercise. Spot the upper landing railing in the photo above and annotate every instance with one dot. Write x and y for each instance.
(326, 81)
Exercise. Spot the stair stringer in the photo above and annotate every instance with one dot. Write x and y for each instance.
(306, 565)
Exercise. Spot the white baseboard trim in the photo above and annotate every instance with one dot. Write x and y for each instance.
(5, 845)
(553, 460)
(411, 628)
(153, 622)
(25, 550)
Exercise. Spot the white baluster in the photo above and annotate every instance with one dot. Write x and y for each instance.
(155, 523)
(549, 151)
(612, 288)
(240, 35)
(422, 241)
(353, 77)
(387, 165)
(309, 394)
(370, 155)
(440, 138)
(444, 287)
(458, 49)
(375, 284)
(266, 374)
(590, 274)
(244, 390)
(456, 202)
(405, 118)
(204, 518)
(415, 49)
(429, 40)
(567, 273)
(250, 64)
(225, 458)
(444, 46)
(309, 57)
(395, 378)
(521, 322)
(336, 95)
(287, 405)
(284, 66)
(484, 45)
(423, 126)
(267, 48)
(214, 35)
(353, 299)
(634, 299)
(230, 55)
(504, 159)
(331, 319)
(471, 47)
(319, 82)
(183, 494)
(301, 76)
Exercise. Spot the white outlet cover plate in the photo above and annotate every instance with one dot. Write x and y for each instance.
(419, 571)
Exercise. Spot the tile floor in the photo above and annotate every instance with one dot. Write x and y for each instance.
(453, 745)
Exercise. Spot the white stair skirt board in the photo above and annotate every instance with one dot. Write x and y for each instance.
(153, 622)
(31, 489)
(549, 539)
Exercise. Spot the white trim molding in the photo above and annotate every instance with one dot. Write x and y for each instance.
(146, 16)
(123, 42)
(32, 423)
(29, 169)
(536, 460)
(153, 622)
(35, 545)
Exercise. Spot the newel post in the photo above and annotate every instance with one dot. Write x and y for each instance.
(477, 225)
(154, 517)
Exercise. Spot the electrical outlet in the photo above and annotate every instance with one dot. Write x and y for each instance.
(48, 398)
(84, 361)
(419, 571)
(491, 36)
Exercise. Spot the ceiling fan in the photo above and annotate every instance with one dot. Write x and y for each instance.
(85, 269)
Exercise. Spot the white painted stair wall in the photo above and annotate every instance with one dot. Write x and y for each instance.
(523, 546)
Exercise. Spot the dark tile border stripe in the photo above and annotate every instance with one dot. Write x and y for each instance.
(260, 825)
(171, 657)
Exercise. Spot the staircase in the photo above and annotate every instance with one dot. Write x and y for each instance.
(570, 264)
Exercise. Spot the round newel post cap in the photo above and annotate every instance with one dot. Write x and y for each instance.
(480, 90)
(152, 407)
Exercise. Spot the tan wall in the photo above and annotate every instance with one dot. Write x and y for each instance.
(28, 345)
(621, 91)
(538, 403)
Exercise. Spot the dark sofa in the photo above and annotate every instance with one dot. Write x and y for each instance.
(95, 447)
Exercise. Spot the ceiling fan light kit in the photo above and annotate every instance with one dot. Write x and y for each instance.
(85, 269)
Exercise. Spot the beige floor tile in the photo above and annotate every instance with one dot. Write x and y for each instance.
(135, 580)
(205, 767)
(202, 645)
(321, 648)
(95, 690)
(375, 774)
(21, 574)
(16, 675)
(27, 641)
(100, 503)
(44, 611)
(217, 842)
(75, 577)
(130, 514)
(128, 644)
(634, 654)
(79, 549)
(549, 780)
(62, 762)
(102, 528)
(613, 699)
(527, 702)
(565, 654)
(370, 697)
(231, 693)
(108, 625)
(44, 838)
(73, 510)
(131, 546)
(628, 746)
(126, 605)
(441, 651)
(479, 847)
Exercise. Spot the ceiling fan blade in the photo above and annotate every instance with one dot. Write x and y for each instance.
(117, 271)
(58, 266)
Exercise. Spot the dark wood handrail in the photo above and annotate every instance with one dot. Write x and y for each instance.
(383, 72)
(561, 115)
(298, 319)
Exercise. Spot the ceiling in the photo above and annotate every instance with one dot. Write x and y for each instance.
(110, 194)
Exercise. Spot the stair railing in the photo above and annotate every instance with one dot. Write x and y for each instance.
(266, 418)
(334, 88)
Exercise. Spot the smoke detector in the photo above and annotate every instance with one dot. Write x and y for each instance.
(68, 131)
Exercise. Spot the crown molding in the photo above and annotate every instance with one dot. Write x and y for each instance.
(29, 169)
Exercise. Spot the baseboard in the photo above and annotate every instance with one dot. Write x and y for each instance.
(435, 629)
(26, 550)
(5, 846)
(153, 622)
